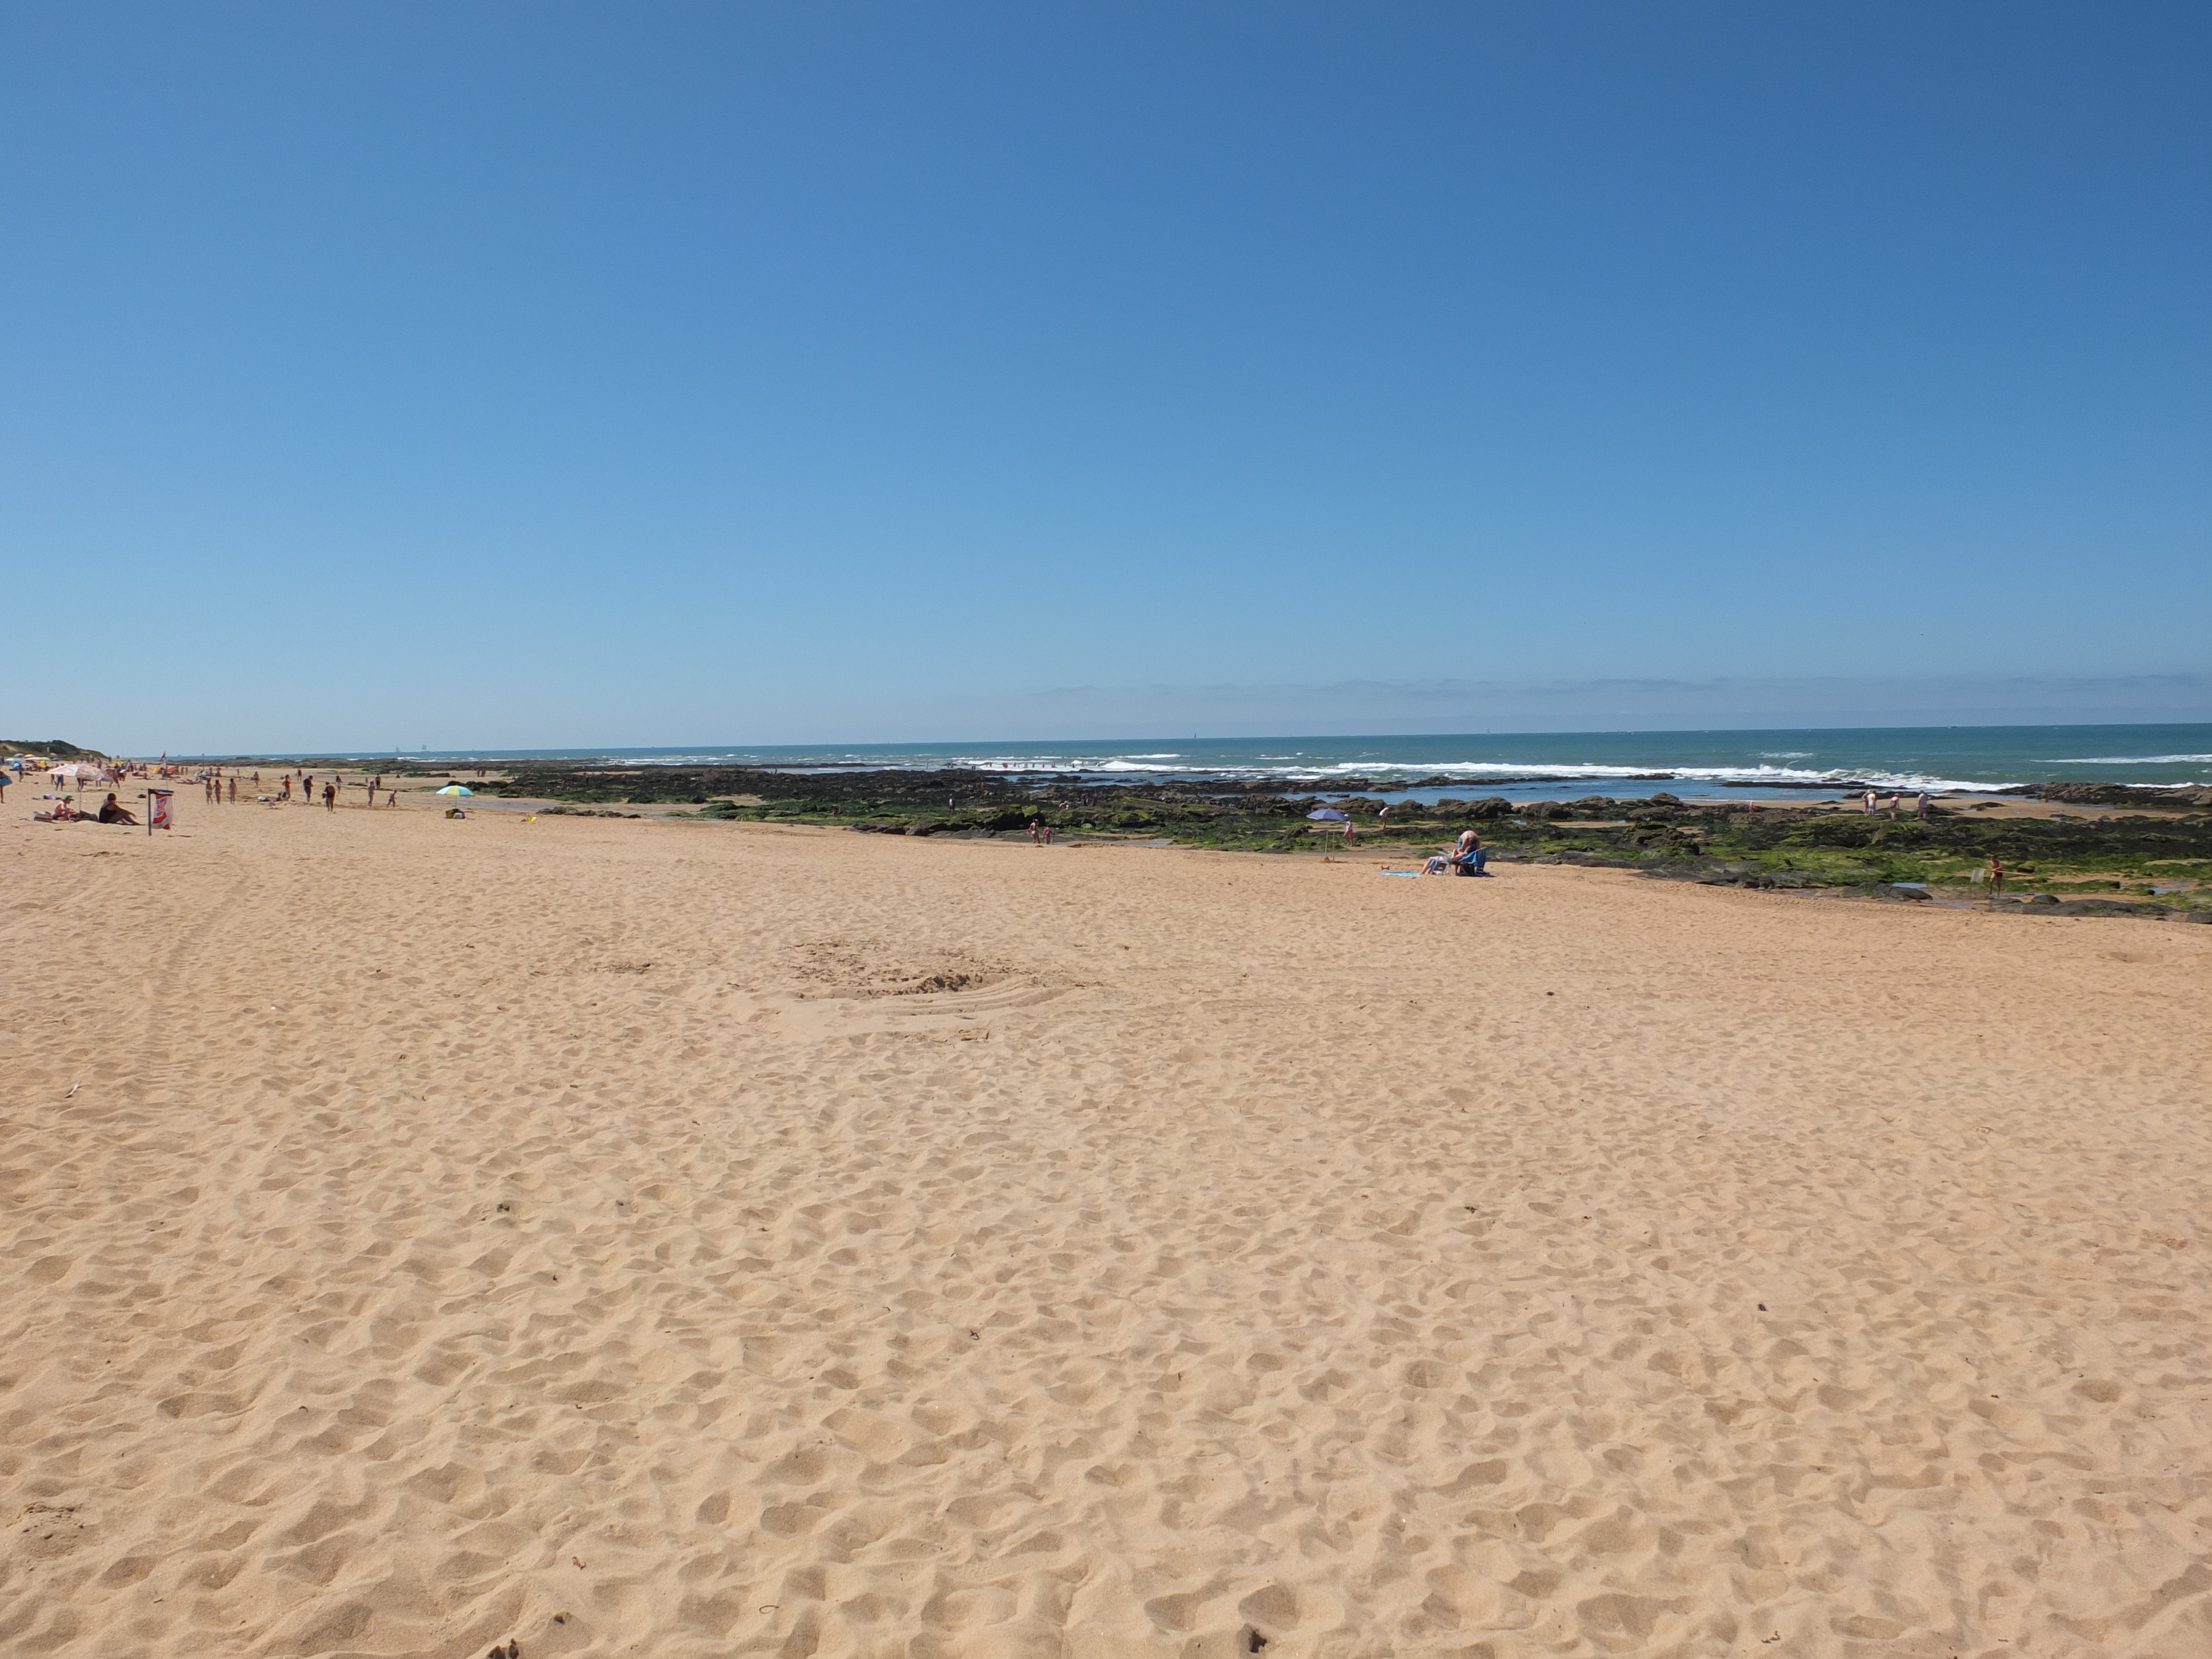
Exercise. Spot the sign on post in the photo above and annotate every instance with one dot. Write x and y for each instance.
(158, 816)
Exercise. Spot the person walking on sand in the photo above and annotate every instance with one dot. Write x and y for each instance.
(330, 798)
(392, 799)
(1996, 875)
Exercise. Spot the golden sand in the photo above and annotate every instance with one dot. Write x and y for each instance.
(672, 1239)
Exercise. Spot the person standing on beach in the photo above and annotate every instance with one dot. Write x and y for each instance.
(234, 788)
(330, 798)
(1866, 800)
(1920, 804)
(1996, 875)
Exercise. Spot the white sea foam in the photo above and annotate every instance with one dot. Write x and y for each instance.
(1476, 772)
(1570, 772)
(1774, 769)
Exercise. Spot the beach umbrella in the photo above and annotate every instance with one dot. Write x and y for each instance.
(1329, 815)
(457, 789)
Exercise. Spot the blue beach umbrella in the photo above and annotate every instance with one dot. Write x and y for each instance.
(1329, 815)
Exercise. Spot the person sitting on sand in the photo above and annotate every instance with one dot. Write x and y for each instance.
(113, 812)
(1465, 859)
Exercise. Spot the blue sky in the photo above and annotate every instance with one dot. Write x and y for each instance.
(540, 374)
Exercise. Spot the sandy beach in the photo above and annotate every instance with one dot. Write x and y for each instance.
(667, 1238)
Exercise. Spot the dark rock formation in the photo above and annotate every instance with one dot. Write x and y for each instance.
(2109, 794)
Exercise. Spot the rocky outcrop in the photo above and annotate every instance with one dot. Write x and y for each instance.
(2044, 904)
(2109, 794)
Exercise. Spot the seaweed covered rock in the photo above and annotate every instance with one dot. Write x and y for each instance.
(2111, 794)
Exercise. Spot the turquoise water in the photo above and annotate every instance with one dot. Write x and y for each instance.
(1695, 763)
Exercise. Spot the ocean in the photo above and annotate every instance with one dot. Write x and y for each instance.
(1693, 765)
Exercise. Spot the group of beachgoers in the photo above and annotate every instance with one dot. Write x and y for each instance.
(65, 812)
(223, 791)
(217, 788)
(1896, 800)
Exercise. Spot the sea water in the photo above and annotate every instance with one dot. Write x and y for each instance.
(1693, 765)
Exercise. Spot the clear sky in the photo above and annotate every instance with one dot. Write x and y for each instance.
(545, 374)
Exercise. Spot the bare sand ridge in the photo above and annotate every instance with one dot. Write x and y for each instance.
(688, 1239)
